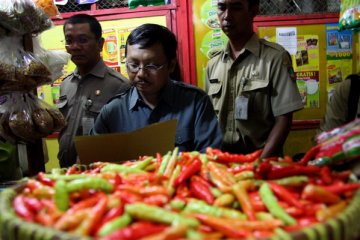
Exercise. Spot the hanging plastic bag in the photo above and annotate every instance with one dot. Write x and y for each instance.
(22, 17)
(26, 118)
(20, 70)
(349, 14)
(55, 60)
(136, 3)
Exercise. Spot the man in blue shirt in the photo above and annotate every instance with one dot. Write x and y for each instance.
(154, 97)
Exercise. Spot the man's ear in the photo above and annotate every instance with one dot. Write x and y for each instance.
(255, 10)
(101, 44)
(172, 65)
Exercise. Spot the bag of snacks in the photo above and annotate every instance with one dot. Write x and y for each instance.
(23, 16)
(55, 60)
(26, 118)
(20, 70)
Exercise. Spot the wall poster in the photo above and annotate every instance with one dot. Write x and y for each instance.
(338, 55)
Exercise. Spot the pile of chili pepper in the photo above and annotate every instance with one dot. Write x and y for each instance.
(192, 195)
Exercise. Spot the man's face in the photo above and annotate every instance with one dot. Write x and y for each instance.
(236, 17)
(148, 68)
(82, 44)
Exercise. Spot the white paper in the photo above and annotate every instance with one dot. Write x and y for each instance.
(287, 37)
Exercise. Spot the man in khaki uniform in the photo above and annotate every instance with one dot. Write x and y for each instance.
(89, 87)
(343, 107)
(251, 84)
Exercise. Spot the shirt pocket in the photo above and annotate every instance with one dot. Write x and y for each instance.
(255, 84)
(93, 109)
(184, 139)
(215, 93)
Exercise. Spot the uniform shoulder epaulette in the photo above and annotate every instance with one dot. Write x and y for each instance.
(119, 95)
(187, 85)
(68, 75)
(272, 45)
(116, 74)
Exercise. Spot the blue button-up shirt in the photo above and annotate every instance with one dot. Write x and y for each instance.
(197, 125)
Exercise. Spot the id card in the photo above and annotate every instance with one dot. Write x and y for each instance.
(241, 108)
(87, 124)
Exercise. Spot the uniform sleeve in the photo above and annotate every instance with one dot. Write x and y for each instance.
(207, 130)
(337, 107)
(101, 124)
(285, 95)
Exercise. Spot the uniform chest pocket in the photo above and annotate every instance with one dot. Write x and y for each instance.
(255, 84)
(92, 108)
(184, 139)
(214, 92)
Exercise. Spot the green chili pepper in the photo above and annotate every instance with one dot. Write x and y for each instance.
(142, 164)
(157, 214)
(177, 204)
(197, 206)
(89, 183)
(271, 203)
(294, 181)
(115, 224)
(216, 192)
(171, 163)
(164, 163)
(66, 177)
(121, 169)
(173, 176)
(61, 195)
(282, 234)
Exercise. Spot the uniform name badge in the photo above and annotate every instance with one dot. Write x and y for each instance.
(241, 108)
(87, 124)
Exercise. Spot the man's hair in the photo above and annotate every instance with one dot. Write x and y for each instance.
(253, 2)
(149, 34)
(94, 24)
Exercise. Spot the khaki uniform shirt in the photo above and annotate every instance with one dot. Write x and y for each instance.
(81, 99)
(337, 107)
(250, 91)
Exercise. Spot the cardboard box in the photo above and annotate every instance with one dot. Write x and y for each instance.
(120, 147)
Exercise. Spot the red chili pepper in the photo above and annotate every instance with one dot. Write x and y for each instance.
(319, 194)
(188, 171)
(157, 199)
(33, 204)
(294, 211)
(277, 172)
(240, 190)
(342, 188)
(261, 171)
(97, 212)
(309, 155)
(21, 209)
(127, 196)
(46, 181)
(136, 231)
(325, 175)
(227, 157)
(201, 189)
(222, 226)
(110, 215)
(182, 191)
(241, 168)
(33, 184)
(301, 224)
(285, 194)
